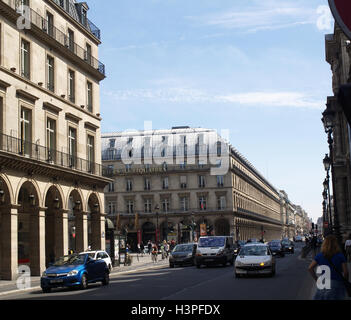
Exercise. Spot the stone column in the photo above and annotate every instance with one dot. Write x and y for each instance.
(61, 232)
(9, 243)
(81, 231)
(37, 237)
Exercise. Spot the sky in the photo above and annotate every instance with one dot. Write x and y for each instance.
(256, 68)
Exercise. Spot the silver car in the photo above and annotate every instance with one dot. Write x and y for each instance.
(255, 259)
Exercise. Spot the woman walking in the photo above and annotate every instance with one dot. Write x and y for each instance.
(332, 257)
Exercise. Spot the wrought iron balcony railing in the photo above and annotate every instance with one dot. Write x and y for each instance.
(58, 35)
(50, 156)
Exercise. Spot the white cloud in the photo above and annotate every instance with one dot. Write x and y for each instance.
(189, 96)
(269, 15)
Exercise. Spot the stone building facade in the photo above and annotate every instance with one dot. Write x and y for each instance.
(287, 215)
(182, 198)
(51, 182)
(338, 55)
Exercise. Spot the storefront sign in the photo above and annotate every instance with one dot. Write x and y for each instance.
(341, 11)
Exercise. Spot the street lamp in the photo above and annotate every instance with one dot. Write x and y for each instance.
(328, 122)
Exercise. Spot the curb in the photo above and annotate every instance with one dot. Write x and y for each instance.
(112, 275)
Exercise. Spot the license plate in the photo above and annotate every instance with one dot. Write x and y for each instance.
(56, 281)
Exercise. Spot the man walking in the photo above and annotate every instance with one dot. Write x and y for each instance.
(149, 246)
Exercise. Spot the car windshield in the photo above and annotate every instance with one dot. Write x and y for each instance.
(184, 248)
(274, 244)
(286, 243)
(211, 242)
(70, 260)
(254, 251)
(91, 255)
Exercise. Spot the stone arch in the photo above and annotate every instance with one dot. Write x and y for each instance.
(60, 192)
(77, 222)
(35, 187)
(78, 195)
(8, 186)
(95, 226)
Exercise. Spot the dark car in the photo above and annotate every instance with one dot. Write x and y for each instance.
(276, 248)
(183, 254)
(288, 246)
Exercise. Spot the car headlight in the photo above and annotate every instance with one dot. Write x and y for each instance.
(44, 274)
(73, 273)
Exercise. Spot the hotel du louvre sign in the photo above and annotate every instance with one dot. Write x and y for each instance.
(341, 10)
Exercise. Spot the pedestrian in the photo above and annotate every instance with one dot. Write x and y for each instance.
(314, 246)
(154, 253)
(348, 248)
(142, 248)
(149, 246)
(332, 257)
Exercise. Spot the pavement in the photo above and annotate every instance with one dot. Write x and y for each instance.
(140, 263)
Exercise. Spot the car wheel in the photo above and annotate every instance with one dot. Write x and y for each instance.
(46, 290)
(225, 263)
(171, 265)
(106, 280)
(84, 282)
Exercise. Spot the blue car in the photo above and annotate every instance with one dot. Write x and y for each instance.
(77, 270)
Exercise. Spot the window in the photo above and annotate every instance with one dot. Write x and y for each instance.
(220, 181)
(147, 184)
(130, 206)
(112, 207)
(71, 86)
(84, 17)
(202, 203)
(112, 143)
(165, 183)
(51, 139)
(183, 182)
(72, 146)
(50, 69)
(26, 131)
(70, 43)
(90, 96)
(88, 53)
(184, 203)
(111, 187)
(50, 24)
(25, 59)
(148, 206)
(202, 182)
(221, 203)
(165, 205)
(90, 153)
(129, 185)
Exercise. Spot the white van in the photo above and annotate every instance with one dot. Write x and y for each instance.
(215, 250)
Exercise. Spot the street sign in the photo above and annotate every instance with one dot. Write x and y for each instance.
(341, 11)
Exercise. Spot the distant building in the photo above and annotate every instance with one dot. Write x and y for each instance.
(199, 179)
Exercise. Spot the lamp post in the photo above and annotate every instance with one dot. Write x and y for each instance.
(328, 122)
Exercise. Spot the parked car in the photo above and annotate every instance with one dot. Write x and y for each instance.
(183, 254)
(214, 250)
(288, 246)
(276, 248)
(76, 270)
(255, 259)
(100, 255)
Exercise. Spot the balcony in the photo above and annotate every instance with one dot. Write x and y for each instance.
(51, 157)
(82, 20)
(61, 39)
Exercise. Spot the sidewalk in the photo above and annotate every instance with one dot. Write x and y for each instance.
(139, 263)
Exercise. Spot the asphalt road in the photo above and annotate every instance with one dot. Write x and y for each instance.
(292, 282)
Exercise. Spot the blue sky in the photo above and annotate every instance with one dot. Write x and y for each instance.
(254, 67)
